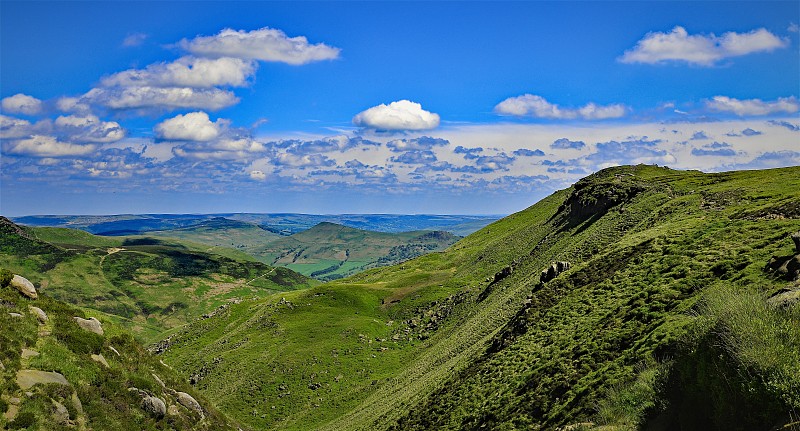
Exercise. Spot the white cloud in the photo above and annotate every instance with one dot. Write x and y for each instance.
(265, 44)
(47, 146)
(537, 106)
(194, 126)
(702, 50)
(134, 39)
(300, 161)
(22, 104)
(89, 128)
(400, 115)
(152, 97)
(71, 104)
(187, 72)
(258, 175)
(11, 127)
(747, 107)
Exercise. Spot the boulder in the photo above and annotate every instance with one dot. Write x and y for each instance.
(14, 314)
(24, 286)
(154, 406)
(796, 239)
(91, 325)
(39, 313)
(553, 270)
(189, 402)
(26, 379)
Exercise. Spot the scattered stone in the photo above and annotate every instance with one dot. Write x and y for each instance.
(100, 359)
(28, 353)
(503, 273)
(190, 403)
(60, 414)
(158, 380)
(785, 297)
(24, 286)
(91, 325)
(76, 403)
(796, 239)
(14, 314)
(114, 350)
(314, 386)
(172, 410)
(39, 313)
(26, 379)
(2, 367)
(14, 400)
(154, 406)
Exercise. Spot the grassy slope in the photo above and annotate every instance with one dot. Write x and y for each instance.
(64, 348)
(329, 250)
(433, 343)
(220, 232)
(143, 284)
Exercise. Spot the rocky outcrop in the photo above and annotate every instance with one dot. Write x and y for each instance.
(503, 273)
(796, 239)
(24, 286)
(553, 270)
(91, 325)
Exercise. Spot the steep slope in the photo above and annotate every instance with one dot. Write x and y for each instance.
(664, 266)
(145, 284)
(329, 251)
(56, 375)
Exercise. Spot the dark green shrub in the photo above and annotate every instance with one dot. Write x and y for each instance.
(22, 421)
(74, 337)
(5, 277)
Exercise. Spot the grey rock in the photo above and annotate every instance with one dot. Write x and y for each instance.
(14, 314)
(154, 406)
(60, 413)
(28, 378)
(100, 359)
(553, 270)
(189, 402)
(796, 239)
(91, 325)
(39, 313)
(24, 286)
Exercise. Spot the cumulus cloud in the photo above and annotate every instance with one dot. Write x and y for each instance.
(701, 50)
(265, 44)
(121, 98)
(566, 144)
(187, 72)
(400, 115)
(749, 107)
(302, 161)
(631, 151)
(194, 126)
(21, 104)
(696, 136)
(469, 153)
(258, 175)
(88, 128)
(46, 146)
(233, 149)
(531, 105)
(415, 157)
(750, 132)
(524, 152)
(339, 143)
(11, 127)
(421, 143)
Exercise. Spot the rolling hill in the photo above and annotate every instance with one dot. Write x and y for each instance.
(329, 251)
(640, 297)
(146, 284)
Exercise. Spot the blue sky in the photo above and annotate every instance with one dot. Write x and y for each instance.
(390, 107)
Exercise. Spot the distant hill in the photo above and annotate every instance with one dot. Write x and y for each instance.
(329, 251)
(674, 306)
(223, 232)
(146, 284)
(282, 224)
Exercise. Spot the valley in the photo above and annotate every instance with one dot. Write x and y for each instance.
(671, 283)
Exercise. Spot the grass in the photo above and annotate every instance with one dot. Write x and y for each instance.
(451, 350)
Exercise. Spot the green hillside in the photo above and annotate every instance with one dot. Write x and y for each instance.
(330, 251)
(667, 317)
(145, 284)
(55, 375)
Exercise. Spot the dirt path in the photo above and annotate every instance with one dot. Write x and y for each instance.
(261, 276)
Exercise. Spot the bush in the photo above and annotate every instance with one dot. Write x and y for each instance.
(5, 277)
